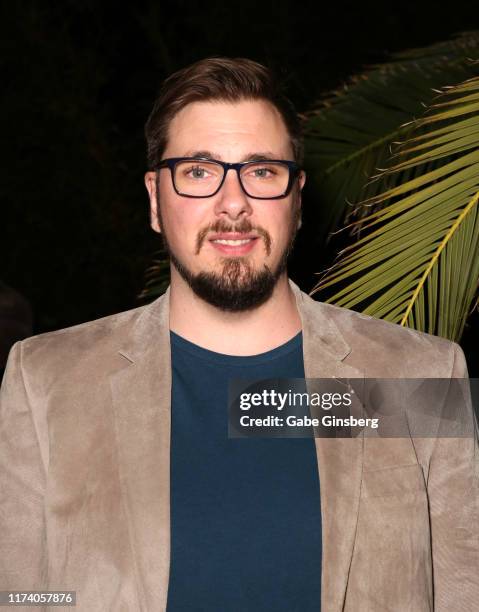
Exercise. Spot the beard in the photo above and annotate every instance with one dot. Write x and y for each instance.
(238, 287)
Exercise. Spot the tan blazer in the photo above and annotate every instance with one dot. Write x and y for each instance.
(85, 450)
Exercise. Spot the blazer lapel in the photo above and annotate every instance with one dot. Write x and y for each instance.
(141, 394)
(340, 460)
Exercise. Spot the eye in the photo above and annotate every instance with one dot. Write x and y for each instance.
(196, 172)
(263, 171)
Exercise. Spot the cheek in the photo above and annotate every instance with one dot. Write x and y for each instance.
(281, 223)
(183, 223)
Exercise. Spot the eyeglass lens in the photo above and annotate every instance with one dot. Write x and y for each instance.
(202, 178)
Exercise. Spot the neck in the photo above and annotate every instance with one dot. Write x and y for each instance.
(234, 333)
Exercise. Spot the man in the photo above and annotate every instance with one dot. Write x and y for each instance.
(119, 480)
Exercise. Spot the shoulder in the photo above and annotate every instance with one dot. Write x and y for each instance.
(80, 350)
(82, 334)
(384, 348)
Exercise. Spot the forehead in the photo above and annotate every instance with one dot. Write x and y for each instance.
(228, 129)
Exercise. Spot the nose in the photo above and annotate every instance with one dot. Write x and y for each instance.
(232, 200)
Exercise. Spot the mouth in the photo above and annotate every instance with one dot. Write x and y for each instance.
(233, 244)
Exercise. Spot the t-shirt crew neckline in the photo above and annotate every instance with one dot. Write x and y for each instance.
(236, 360)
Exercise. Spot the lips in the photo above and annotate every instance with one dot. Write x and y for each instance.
(231, 243)
(233, 236)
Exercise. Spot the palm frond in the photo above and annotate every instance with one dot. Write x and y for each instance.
(417, 263)
(157, 277)
(350, 132)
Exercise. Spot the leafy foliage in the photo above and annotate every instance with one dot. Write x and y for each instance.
(157, 277)
(418, 262)
(349, 132)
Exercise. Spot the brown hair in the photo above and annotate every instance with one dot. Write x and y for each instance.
(218, 78)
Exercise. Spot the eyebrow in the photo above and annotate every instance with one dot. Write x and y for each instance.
(257, 156)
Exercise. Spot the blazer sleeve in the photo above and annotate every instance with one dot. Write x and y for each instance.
(453, 486)
(23, 558)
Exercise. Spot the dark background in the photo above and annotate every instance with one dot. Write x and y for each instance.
(78, 82)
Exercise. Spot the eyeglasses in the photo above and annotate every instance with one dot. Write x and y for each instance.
(197, 177)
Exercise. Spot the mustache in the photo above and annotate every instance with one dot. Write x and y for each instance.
(243, 227)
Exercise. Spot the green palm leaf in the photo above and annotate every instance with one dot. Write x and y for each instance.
(417, 263)
(349, 133)
(157, 277)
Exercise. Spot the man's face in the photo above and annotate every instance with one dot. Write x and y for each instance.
(230, 277)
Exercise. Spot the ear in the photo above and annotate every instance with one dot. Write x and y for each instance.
(302, 179)
(150, 183)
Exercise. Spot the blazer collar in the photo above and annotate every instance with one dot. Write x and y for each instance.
(141, 395)
(321, 336)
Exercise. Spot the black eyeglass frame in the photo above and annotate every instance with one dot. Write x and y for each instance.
(294, 171)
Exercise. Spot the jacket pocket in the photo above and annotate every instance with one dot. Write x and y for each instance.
(393, 481)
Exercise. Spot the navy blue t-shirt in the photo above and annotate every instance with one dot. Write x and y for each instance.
(245, 513)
